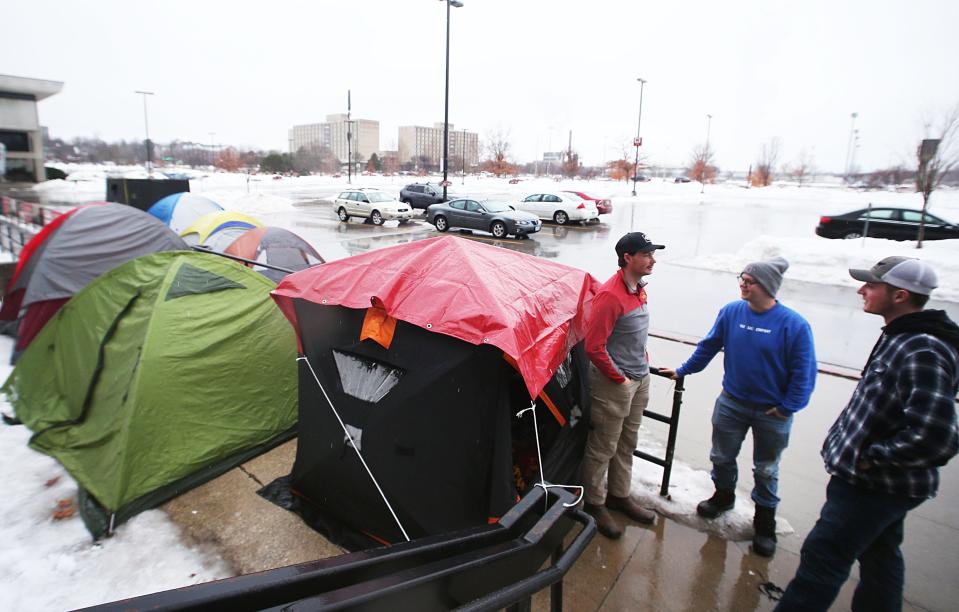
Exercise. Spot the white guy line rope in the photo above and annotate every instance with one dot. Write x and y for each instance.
(539, 456)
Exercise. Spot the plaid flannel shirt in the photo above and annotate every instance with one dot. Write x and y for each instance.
(899, 426)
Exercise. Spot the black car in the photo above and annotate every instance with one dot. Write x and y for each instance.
(497, 218)
(421, 195)
(889, 223)
(640, 178)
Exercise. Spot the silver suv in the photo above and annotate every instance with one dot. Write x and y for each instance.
(373, 204)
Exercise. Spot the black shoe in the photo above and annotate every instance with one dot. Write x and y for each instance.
(764, 524)
(720, 502)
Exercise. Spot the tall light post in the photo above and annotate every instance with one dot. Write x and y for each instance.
(849, 148)
(463, 151)
(709, 123)
(146, 127)
(291, 153)
(446, 108)
(212, 150)
(638, 141)
(349, 140)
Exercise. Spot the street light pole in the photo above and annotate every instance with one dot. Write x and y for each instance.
(639, 123)
(709, 123)
(463, 152)
(146, 126)
(852, 131)
(446, 107)
(212, 150)
(349, 140)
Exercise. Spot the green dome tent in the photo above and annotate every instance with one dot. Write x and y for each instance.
(156, 377)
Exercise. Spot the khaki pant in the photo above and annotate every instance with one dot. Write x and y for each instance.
(617, 412)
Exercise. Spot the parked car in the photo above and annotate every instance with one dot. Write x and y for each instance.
(373, 204)
(890, 223)
(421, 195)
(640, 178)
(603, 206)
(561, 207)
(497, 218)
(681, 179)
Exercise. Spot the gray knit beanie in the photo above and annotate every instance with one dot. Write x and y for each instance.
(769, 273)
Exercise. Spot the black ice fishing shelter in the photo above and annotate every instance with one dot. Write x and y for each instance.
(432, 415)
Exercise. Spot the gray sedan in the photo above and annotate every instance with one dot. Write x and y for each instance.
(497, 218)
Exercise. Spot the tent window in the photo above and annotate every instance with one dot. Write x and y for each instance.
(564, 373)
(190, 280)
(364, 378)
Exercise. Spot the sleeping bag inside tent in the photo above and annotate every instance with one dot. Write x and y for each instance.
(427, 351)
(158, 376)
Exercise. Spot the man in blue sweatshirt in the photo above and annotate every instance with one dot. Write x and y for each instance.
(770, 371)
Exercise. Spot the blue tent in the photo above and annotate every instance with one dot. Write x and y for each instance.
(180, 210)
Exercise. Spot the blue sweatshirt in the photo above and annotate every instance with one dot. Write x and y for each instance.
(769, 357)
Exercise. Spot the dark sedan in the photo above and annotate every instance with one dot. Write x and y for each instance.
(890, 223)
(497, 218)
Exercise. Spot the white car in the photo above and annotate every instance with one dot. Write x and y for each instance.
(559, 207)
(373, 204)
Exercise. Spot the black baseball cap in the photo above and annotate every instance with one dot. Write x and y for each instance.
(636, 242)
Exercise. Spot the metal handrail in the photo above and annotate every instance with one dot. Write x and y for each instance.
(673, 421)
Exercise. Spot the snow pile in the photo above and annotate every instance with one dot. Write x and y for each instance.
(48, 564)
(819, 260)
(52, 186)
(688, 487)
(258, 204)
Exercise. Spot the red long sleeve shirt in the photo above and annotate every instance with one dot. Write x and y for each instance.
(616, 332)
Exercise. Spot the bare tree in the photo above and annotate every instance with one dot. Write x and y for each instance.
(229, 160)
(762, 174)
(571, 164)
(497, 147)
(624, 168)
(701, 168)
(938, 153)
(803, 168)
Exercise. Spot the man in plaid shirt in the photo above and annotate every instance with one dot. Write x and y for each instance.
(885, 449)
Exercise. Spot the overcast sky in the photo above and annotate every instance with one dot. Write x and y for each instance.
(535, 68)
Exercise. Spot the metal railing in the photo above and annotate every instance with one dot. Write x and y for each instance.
(20, 221)
(478, 569)
(673, 421)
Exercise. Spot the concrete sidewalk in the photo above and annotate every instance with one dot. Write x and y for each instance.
(664, 566)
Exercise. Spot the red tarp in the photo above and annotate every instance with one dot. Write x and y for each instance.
(532, 309)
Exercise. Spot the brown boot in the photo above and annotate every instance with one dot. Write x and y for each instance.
(605, 523)
(630, 508)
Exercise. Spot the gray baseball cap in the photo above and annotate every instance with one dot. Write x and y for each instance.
(906, 273)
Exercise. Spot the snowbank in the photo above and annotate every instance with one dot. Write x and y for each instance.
(48, 564)
(819, 260)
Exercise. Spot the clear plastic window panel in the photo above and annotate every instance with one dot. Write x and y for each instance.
(365, 378)
(565, 371)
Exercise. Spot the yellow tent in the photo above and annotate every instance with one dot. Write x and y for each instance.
(218, 230)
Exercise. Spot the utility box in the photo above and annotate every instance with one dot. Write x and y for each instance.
(142, 193)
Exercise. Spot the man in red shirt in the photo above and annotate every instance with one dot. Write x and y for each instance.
(619, 384)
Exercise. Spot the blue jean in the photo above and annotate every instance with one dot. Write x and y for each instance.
(732, 418)
(855, 523)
